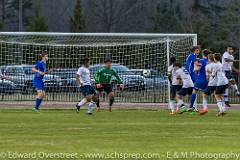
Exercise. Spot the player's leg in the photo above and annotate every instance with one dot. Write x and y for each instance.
(180, 104)
(220, 99)
(39, 98)
(39, 86)
(234, 86)
(85, 92)
(93, 100)
(99, 90)
(193, 99)
(108, 89)
(111, 100)
(98, 101)
(205, 93)
(192, 110)
(226, 99)
(172, 99)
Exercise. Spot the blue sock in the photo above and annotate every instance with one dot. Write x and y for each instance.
(192, 100)
(38, 103)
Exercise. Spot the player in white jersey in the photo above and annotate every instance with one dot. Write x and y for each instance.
(212, 83)
(176, 85)
(187, 86)
(84, 80)
(227, 61)
(222, 84)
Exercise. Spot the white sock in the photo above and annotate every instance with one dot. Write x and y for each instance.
(223, 106)
(235, 87)
(195, 103)
(220, 105)
(226, 95)
(82, 102)
(179, 103)
(91, 107)
(205, 103)
(171, 105)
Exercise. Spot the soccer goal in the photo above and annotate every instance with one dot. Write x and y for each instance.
(140, 59)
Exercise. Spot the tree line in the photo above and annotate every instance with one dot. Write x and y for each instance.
(216, 22)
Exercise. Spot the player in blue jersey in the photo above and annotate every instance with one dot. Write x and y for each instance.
(38, 83)
(189, 66)
(201, 82)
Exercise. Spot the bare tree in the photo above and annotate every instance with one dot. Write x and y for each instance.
(108, 13)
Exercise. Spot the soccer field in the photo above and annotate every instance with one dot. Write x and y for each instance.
(122, 131)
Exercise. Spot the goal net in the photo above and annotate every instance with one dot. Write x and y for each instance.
(140, 59)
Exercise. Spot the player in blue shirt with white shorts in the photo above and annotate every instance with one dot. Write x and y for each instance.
(38, 83)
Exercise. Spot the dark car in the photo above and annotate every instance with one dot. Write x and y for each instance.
(22, 76)
(7, 86)
(68, 78)
(131, 81)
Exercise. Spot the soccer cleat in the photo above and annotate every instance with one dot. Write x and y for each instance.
(227, 104)
(35, 110)
(221, 114)
(193, 112)
(224, 113)
(172, 113)
(77, 108)
(218, 114)
(203, 112)
(89, 113)
(98, 109)
(110, 109)
(183, 109)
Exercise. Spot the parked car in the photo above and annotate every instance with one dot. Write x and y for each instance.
(7, 86)
(132, 82)
(154, 79)
(22, 76)
(68, 78)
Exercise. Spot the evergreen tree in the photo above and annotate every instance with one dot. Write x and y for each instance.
(77, 21)
(37, 23)
(230, 25)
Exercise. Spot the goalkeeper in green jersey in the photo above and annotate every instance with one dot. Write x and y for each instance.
(103, 79)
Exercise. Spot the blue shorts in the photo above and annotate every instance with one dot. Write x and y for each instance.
(209, 90)
(221, 89)
(200, 85)
(185, 91)
(229, 75)
(87, 90)
(38, 85)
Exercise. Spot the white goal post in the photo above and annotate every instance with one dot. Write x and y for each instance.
(141, 58)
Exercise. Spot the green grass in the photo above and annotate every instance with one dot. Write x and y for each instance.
(122, 131)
